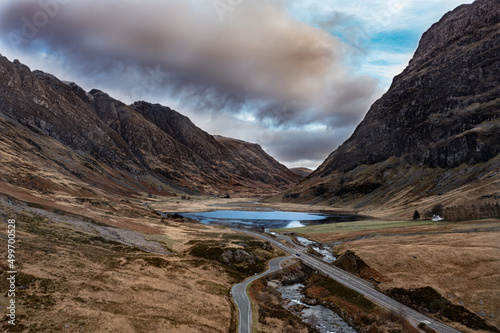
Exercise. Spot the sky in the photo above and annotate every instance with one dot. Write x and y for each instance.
(296, 77)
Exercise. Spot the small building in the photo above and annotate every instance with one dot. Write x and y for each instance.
(437, 218)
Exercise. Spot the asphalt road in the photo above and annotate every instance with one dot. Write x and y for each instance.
(357, 284)
(239, 293)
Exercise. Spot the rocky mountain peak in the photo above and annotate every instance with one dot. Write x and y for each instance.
(440, 114)
(455, 28)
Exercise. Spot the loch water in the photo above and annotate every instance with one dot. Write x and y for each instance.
(269, 219)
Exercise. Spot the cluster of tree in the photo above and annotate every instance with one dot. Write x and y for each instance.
(462, 212)
(436, 210)
(472, 212)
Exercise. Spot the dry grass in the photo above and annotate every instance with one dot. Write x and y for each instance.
(402, 205)
(203, 203)
(79, 281)
(463, 267)
(369, 228)
(101, 287)
(459, 260)
(333, 231)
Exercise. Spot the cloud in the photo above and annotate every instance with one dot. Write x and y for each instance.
(252, 57)
(314, 146)
(295, 76)
(365, 27)
(305, 146)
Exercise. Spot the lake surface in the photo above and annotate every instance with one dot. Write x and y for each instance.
(266, 219)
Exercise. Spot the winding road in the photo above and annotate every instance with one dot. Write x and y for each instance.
(343, 277)
(239, 293)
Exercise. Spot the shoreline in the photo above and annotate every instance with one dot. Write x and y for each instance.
(207, 204)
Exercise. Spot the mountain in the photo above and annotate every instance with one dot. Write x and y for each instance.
(434, 136)
(58, 137)
(303, 172)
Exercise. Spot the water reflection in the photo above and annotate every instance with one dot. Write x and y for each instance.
(295, 224)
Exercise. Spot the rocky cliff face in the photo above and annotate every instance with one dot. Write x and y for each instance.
(95, 139)
(435, 130)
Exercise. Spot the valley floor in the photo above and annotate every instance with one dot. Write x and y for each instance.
(139, 272)
(79, 275)
(202, 204)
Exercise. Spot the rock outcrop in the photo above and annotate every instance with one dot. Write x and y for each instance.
(353, 264)
(239, 256)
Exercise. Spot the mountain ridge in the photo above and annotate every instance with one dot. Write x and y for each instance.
(148, 147)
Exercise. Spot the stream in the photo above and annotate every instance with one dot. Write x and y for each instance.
(324, 320)
(325, 251)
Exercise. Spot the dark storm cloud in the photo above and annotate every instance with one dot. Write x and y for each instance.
(252, 55)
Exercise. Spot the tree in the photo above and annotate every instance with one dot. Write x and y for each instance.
(416, 215)
(437, 210)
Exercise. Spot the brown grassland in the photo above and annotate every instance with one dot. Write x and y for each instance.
(91, 270)
(459, 260)
(73, 279)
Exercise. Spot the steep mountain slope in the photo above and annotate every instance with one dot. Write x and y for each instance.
(63, 138)
(303, 172)
(252, 162)
(434, 133)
